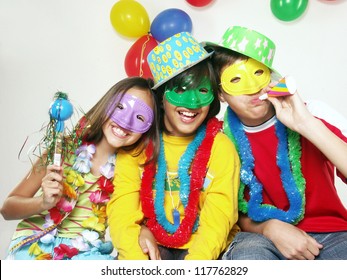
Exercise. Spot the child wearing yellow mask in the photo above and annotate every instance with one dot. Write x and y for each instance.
(289, 207)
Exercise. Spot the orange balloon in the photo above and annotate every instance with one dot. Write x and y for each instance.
(135, 62)
(129, 18)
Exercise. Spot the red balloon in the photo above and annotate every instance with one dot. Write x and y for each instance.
(135, 62)
(199, 3)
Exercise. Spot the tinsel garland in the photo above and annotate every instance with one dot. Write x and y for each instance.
(183, 175)
(198, 173)
(288, 160)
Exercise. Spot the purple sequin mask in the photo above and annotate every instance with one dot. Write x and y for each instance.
(131, 113)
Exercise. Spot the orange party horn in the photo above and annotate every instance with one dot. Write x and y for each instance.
(285, 86)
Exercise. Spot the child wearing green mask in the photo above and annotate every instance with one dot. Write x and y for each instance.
(188, 199)
(289, 207)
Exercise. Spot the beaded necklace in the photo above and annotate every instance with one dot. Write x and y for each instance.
(288, 160)
(168, 234)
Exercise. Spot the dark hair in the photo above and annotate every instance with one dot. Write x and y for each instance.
(98, 115)
(199, 71)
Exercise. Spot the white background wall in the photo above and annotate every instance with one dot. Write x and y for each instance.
(71, 46)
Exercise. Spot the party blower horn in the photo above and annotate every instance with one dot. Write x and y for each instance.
(285, 86)
(61, 110)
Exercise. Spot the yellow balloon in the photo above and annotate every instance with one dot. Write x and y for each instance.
(129, 18)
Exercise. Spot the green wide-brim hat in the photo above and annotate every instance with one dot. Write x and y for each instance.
(173, 56)
(248, 42)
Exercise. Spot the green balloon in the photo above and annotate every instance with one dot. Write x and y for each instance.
(288, 10)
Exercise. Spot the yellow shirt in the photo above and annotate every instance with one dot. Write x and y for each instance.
(218, 211)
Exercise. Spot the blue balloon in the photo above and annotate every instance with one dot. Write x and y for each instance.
(170, 22)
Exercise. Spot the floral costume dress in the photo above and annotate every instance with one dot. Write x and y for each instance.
(75, 228)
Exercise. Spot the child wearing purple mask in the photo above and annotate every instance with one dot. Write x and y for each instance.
(63, 208)
(132, 113)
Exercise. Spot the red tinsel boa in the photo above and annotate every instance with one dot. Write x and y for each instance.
(199, 169)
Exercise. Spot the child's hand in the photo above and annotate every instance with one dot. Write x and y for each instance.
(292, 242)
(51, 186)
(148, 244)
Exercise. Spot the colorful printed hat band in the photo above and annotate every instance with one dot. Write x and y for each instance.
(245, 77)
(173, 56)
(131, 113)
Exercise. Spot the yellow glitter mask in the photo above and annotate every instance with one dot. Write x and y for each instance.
(245, 77)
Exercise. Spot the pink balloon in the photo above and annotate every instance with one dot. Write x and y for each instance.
(135, 62)
(199, 3)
